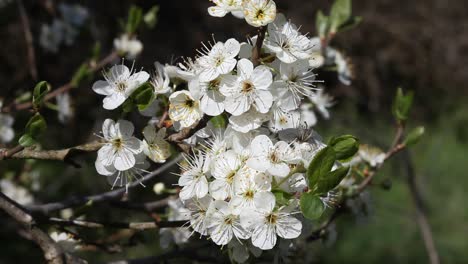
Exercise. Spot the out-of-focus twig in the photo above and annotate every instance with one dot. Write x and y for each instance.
(29, 40)
(421, 216)
(52, 252)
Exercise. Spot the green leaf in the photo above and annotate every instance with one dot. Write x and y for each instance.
(35, 127)
(321, 24)
(414, 136)
(80, 74)
(282, 197)
(134, 19)
(331, 180)
(402, 104)
(151, 17)
(26, 140)
(320, 165)
(311, 206)
(219, 121)
(339, 14)
(40, 91)
(344, 146)
(96, 52)
(351, 23)
(144, 96)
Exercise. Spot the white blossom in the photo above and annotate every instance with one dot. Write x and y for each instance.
(224, 223)
(220, 59)
(65, 241)
(130, 46)
(120, 149)
(6, 131)
(193, 180)
(118, 85)
(154, 144)
(184, 108)
(266, 223)
(249, 88)
(259, 13)
(15, 192)
(223, 7)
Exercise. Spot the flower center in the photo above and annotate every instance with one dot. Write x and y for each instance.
(247, 87)
(271, 218)
(189, 103)
(117, 143)
(218, 60)
(229, 220)
(214, 85)
(230, 176)
(121, 86)
(249, 194)
(260, 15)
(274, 157)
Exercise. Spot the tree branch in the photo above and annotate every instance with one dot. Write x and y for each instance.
(257, 50)
(121, 225)
(52, 252)
(106, 196)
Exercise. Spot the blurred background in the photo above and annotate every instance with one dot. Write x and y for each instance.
(420, 45)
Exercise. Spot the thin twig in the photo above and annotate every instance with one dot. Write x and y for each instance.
(102, 197)
(421, 217)
(29, 40)
(62, 89)
(120, 225)
(257, 50)
(52, 252)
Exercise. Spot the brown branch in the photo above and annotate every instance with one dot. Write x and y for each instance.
(64, 88)
(52, 252)
(7, 153)
(29, 40)
(421, 217)
(120, 225)
(257, 50)
(102, 197)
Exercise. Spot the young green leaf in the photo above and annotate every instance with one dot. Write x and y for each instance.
(321, 24)
(144, 96)
(40, 91)
(151, 17)
(219, 121)
(331, 180)
(345, 146)
(80, 74)
(282, 197)
(312, 206)
(414, 136)
(320, 165)
(35, 127)
(26, 140)
(339, 14)
(135, 15)
(402, 105)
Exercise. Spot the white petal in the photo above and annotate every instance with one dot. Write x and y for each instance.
(124, 160)
(125, 127)
(265, 201)
(263, 101)
(264, 237)
(262, 77)
(217, 11)
(288, 227)
(219, 189)
(102, 87)
(232, 47)
(244, 68)
(113, 101)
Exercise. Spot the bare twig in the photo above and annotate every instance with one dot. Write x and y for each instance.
(29, 40)
(62, 89)
(421, 217)
(5, 154)
(257, 50)
(102, 197)
(120, 225)
(52, 252)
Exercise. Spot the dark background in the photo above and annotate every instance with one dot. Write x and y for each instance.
(420, 45)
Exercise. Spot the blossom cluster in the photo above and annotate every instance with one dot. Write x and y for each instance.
(241, 183)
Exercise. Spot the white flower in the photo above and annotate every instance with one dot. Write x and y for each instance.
(259, 13)
(120, 148)
(266, 223)
(222, 7)
(51, 36)
(287, 42)
(322, 102)
(176, 212)
(130, 46)
(219, 60)
(121, 178)
(295, 81)
(15, 192)
(65, 110)
(372, 155)
(282, 119)
(118, 85)
(249, 88)
(248, 121)
(193, 178)
(224, 223)
(160, 80)
(6, 131)
(271, 158)
(65, 241)
(211, 100)
(224, 170)
(184, 108)
(248, 183)
(154, 145)
(200, 213)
